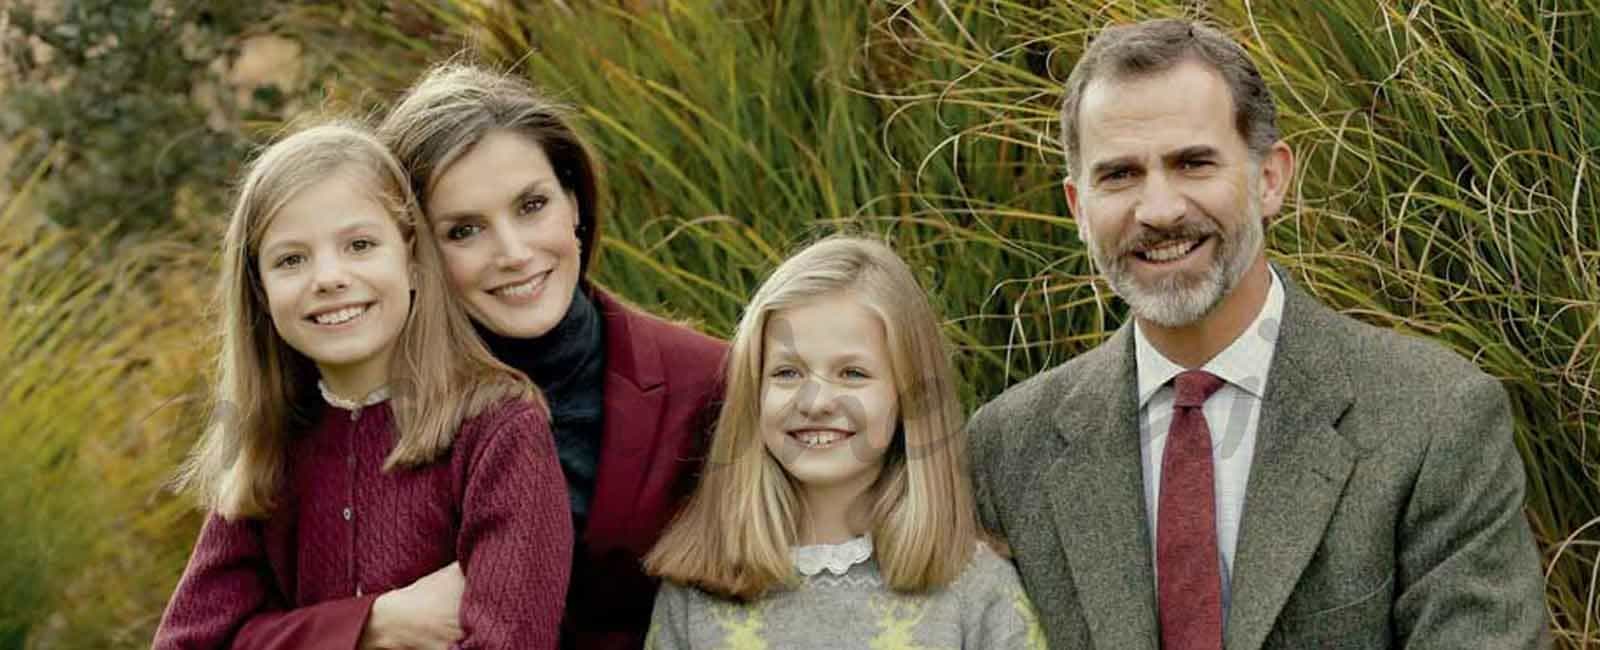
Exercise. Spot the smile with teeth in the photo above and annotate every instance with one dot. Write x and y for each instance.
(520, 289)
(813, 438)
(340, 316)
(1169, 250)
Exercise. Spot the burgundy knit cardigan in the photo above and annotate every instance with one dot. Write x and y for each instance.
(345, 531)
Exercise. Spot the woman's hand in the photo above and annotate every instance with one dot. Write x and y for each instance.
(424, 615)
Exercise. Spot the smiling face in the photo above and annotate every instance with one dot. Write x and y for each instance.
(508, 231)
(335, 271)
(829, 407)
(1168, 199)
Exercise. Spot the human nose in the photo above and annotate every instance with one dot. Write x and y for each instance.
(1161, 205)
(511, 251)
(330, 275)
(817, 398)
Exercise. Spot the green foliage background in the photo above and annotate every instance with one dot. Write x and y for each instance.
(123, 101)
(1447, 159)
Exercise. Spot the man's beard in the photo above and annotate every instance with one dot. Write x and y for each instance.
(1178, 300)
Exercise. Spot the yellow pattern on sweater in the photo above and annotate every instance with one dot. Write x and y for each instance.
(897, 617)
(741, 625)
(1030, 618)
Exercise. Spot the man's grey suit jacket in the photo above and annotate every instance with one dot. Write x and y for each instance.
(1384, 505)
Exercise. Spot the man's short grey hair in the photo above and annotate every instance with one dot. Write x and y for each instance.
(1150, 47)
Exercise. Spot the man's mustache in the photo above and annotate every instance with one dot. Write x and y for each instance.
(1146, 237)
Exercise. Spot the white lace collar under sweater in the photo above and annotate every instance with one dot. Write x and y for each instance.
(333, 399)
(833, 558)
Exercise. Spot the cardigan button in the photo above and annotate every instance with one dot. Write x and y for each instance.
(348, 513)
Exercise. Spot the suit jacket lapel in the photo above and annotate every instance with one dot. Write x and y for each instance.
(634, 399)
(1097, 494)
(1299, 470)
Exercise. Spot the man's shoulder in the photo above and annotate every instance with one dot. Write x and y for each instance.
(1405, 391)
(1042, 392)
(1028, 394)
(1384, 360)
(1014, 419)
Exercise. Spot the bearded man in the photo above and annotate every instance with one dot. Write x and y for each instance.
(1239, 466)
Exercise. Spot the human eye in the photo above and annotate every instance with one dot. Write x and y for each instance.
(1195, 163)
(1117, 176)
(784, 372)
(363, 244)
(462, 231)
(532, 203)
(854, 373)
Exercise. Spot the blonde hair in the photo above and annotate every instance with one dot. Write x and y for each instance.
(441, 372)
(734, 536)
(453, 106)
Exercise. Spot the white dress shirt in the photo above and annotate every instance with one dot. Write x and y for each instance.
(1231, 414)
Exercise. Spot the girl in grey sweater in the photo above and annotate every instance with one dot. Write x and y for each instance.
(835, 510)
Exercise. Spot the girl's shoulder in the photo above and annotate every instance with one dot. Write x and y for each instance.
(506, 417)
(994, 609)
(988, 575)
(679, 600)
(510, 408)
(510, 436)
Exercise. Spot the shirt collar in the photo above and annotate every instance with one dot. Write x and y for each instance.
(333, 399)
(1243, 364)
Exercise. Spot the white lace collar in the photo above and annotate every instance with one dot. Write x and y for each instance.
(835, 558)
(374, 397)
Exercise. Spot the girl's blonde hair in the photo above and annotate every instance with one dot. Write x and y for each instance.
(266, 391)
(734, 536)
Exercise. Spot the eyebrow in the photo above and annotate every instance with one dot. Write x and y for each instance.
(1120, 163)
(1191, 152)
(268, 249)
(849, 358)
(364, 224)
(542, 182)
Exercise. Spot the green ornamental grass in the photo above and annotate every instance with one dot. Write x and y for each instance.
(1447, 162)
(1447, 157)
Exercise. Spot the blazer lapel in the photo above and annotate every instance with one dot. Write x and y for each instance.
(1298, 473)
(1096, 491)
(634, 399)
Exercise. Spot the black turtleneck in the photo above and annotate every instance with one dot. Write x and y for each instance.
(568, 365)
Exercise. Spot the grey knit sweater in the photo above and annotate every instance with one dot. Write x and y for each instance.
(847, 605)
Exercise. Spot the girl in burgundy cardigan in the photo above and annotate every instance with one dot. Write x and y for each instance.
(363, 437)
(513, 194)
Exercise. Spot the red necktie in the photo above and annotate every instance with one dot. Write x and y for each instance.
(1188, 576)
